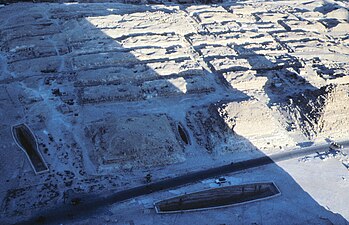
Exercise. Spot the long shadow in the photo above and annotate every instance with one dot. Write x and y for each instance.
(108, 61)
(282, 83)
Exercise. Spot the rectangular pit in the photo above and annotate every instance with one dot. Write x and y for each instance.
(26, 140)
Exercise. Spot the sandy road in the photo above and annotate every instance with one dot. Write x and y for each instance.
(95, 204)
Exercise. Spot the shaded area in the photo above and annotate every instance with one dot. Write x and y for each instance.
(282, 73)
(218, 197)
(330, 22)
(26, 140)
(94, 204)
(327, 7)
(183, 134)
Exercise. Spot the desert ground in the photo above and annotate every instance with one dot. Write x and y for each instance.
(114, 91)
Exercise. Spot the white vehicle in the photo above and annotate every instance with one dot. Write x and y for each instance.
(220, 180)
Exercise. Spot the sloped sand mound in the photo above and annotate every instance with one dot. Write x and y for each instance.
(321, 112)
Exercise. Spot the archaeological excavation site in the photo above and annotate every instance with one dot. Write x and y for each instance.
(142, 112)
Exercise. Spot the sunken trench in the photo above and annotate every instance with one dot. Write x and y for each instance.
(26, 140)
(218, 197)
(183, 134)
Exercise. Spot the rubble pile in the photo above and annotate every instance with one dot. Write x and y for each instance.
(319, 112)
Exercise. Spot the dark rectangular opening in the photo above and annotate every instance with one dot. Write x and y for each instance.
(218, 197)
(26, 140)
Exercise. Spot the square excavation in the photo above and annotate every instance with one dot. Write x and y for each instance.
(134, 142)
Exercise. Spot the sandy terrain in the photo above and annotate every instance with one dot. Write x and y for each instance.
(103, 86)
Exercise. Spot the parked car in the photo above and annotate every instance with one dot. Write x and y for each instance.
(220, 180)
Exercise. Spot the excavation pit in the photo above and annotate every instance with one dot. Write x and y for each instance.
(218, 197)
(134, 142)
(26, 140)
(183, 134)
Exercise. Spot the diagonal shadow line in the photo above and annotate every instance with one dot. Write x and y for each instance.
(279, 68)
(96, 203)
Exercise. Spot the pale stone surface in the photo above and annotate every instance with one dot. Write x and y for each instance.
(243, 78)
